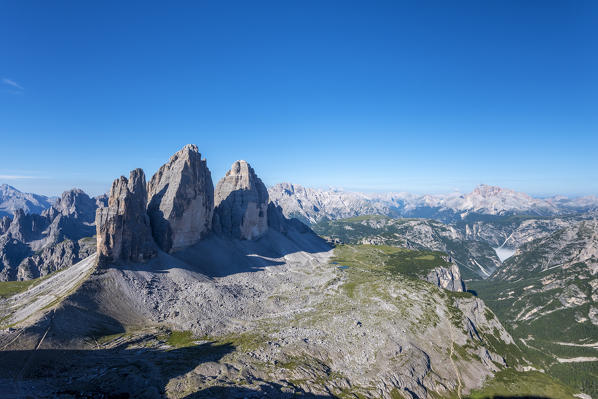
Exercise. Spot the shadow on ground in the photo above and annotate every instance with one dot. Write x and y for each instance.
(106, 373)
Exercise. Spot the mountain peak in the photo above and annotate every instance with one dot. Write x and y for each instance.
(241, 203)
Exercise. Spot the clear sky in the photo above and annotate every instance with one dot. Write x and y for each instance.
(420, 96)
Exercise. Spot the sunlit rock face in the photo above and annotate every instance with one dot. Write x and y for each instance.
(123, 228)
(181, 200)
(241, 204)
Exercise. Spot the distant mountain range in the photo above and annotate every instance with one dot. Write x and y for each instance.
(312, 205)
(12, 199)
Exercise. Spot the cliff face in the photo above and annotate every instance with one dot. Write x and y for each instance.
(448, 278)
(241, 201)
(34, 245)
(123, 228)
(181, 200)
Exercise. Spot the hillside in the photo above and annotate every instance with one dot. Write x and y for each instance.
(547, 296)
(475, 258)
(282, 323)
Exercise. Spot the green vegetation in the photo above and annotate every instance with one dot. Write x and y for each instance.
(511, 383)
(399, 233)
(179, 339)
(10, 288)
(396, 260)
(539, 335)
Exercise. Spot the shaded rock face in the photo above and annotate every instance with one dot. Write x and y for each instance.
(181, 200)
(279, 222)
(55, 257)
(27, 227)
(73, 203)
(448, 278)
(4, 224)
(12, 251)
(241, 204)
(32, 243)
(123, 228)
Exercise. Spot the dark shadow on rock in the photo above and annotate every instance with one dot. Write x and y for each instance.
(265, 390)
(512, 397)
(105, 373)
(161, 229)
(219, 255)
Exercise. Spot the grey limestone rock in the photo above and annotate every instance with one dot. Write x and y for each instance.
(123, 228)
(181, 200)
(4, 224)
(448, 278)
(241, 204)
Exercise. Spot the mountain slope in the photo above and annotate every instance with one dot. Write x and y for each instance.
(475, 258)
(34, 245)
(287, 316)
(12, 199)
(547, 294)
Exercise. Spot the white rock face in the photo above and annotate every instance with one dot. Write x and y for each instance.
(447, 278)
(181, 200)
(241, 204)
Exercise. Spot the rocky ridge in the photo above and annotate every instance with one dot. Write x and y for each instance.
(448, 278)
(313, 205)
(12, 199)
(34, 245)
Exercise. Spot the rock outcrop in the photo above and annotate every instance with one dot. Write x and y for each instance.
(27, 227)
(241, 204)
(448, 278)
(123, 228)
(181, 200)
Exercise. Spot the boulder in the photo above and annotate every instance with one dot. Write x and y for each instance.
(123, 228)
(181, 200)
(241, 204)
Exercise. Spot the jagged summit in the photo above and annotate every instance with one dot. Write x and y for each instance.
(74, 202)
(241, 203)
(183, 209)
(181, 200)
(123, 228)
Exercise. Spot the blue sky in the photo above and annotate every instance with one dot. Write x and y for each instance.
(417, 96)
